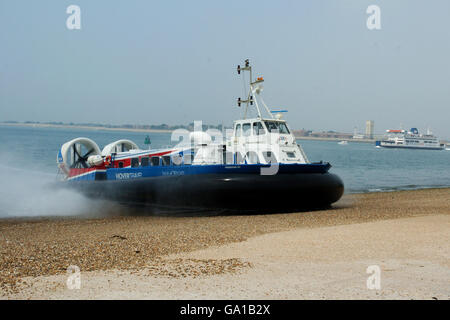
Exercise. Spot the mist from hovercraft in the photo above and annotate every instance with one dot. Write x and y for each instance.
(28, 167)
(32, 193)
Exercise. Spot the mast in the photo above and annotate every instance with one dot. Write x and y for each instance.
(255, 88)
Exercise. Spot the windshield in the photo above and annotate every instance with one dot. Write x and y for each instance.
(258, 129)
(274, 126)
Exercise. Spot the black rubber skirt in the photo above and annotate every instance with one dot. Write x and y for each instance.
(245, 193)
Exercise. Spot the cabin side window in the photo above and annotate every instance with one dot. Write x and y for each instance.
(120, 164)
(283, 128)
(238, 130)
(154, 161)
(290, 154)
(134, 162)
(145, 161)
(246, 129)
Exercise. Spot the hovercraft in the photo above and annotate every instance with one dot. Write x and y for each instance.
(257, 166)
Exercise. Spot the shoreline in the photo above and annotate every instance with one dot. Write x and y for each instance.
(101, 128)
(395, 189)
(334, 139)
(171, 250)
(93, 128)
(338, 204)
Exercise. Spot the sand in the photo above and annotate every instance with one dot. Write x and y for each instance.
(308, 255)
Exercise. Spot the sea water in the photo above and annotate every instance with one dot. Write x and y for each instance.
(362, 166)
(365, 168)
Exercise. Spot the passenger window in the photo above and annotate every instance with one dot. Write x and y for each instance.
(154, 161)
(246, 129)
(134, 162)
(120, 164)
(144, 161)
(238, 130)
(290, 154)
(165, 160)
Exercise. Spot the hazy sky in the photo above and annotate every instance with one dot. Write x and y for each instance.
(174, 61)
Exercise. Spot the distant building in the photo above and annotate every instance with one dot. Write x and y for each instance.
(356, 135)
(322, 134)
(369, 129)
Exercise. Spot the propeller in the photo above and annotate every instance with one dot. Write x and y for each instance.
(80, 161)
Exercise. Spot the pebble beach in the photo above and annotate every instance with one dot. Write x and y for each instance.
(306, 255)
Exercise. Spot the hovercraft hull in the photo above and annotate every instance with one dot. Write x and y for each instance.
(236, 192)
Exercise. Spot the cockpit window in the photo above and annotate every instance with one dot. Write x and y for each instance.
(274, 126)
(283, 128)
(271, 126)
(258, 128)
(246, 129)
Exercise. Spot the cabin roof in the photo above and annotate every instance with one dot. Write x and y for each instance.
(258, 119)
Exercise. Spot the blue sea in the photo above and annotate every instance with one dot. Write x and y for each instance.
(362, 167)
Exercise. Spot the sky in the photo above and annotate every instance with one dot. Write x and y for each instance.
(173, 62)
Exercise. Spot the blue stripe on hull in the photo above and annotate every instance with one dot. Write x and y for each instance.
(182, 170)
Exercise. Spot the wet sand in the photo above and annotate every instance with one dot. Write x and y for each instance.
(315, 254)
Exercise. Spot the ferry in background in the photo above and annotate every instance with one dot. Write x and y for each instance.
(410, 140)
